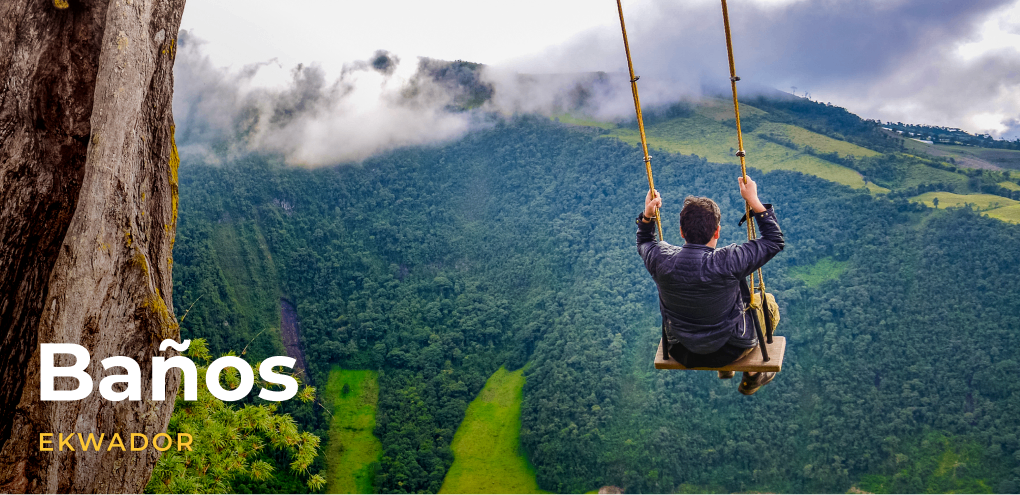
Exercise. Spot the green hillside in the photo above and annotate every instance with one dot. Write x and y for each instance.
(997, 207)
(1006, 214)
(708, 130)
(703, 136)
(826, 142)
(486, 447)
(227, 284)
(436, 266)
(917, 174)
(818, 142)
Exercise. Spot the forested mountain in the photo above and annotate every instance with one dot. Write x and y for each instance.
(515, 245)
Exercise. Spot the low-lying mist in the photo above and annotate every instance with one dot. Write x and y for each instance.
(889, 60)
(377, 104)
(374, 105)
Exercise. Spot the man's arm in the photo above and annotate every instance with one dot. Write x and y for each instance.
(646, 245)
(751, 255)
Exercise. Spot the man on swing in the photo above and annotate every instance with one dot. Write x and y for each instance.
(703, 293)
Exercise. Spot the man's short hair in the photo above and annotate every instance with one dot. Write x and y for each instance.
(699, 219)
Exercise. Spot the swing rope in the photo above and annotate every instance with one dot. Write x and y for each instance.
(757, 304)
(640, 121)
(751, 234)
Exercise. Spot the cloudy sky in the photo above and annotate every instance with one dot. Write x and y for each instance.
(954, 63)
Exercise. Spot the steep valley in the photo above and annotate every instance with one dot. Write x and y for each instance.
(434, 267)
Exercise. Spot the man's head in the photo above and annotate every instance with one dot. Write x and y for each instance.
(699, 219)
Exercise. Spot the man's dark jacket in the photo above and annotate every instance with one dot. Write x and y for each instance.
(702, 290)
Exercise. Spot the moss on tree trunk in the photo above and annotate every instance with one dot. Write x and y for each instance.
(88, 196)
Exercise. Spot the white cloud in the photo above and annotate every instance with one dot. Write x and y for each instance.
(940, 62)
(373, 106)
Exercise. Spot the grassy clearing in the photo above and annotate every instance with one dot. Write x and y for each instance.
(352, 448)
(998, 207)
(823, 144)
(486, 455)
(703, 136)
(930, 175)
(1009, 214)
(1012, 186)
(822, 270)
(982, 202)
(574, 120)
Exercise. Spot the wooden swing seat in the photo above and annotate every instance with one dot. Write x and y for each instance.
(751, 362)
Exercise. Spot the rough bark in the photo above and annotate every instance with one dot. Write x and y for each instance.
(88, 198)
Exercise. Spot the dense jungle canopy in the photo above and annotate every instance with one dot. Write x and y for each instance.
(515, 246)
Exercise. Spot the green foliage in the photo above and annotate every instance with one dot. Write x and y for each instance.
(229, 443)
(460, 79)
(935, 463)
(353, 452)
(820, 271)
(436, 266)
(486, 447)
(701, 135)
(689, 488)
(225, 280)
(817, 139)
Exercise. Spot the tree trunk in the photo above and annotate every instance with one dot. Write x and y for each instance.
(88, 212)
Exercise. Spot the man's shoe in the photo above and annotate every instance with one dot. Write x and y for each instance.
(725, 375)
(751, 383)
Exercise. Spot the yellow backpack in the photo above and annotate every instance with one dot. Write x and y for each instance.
(769, 319)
